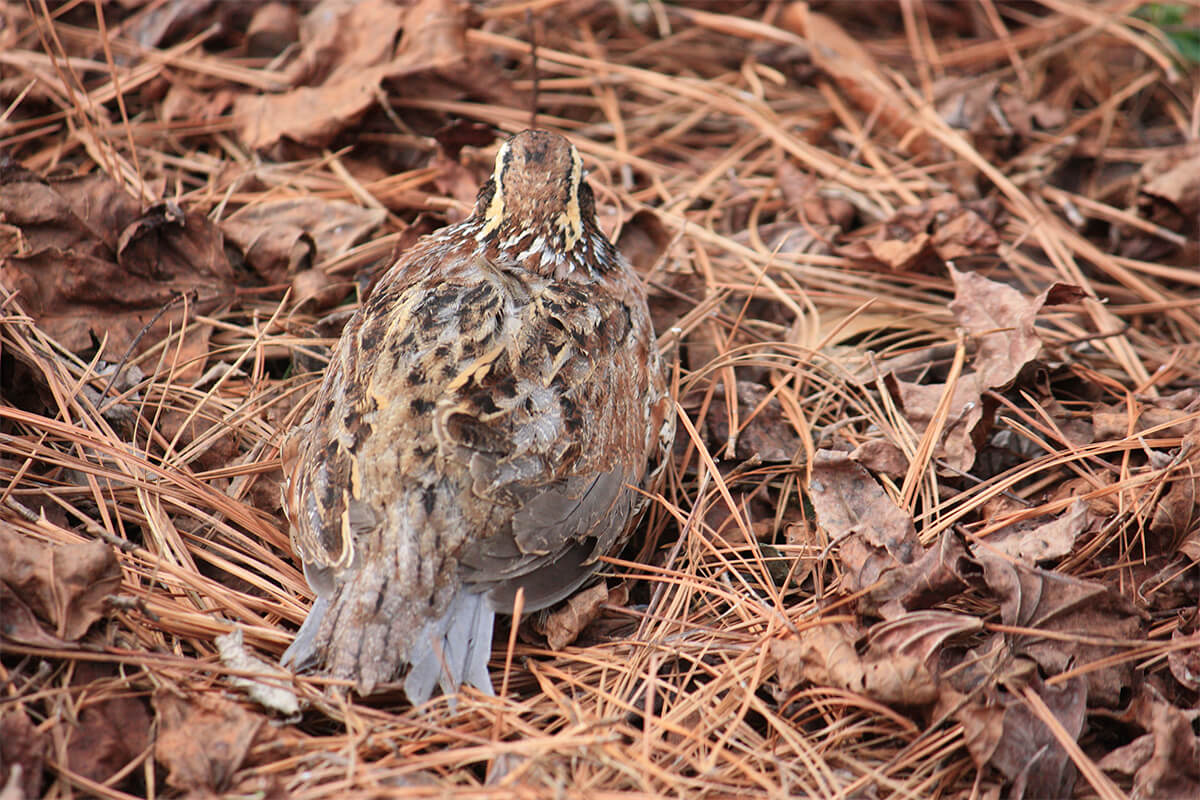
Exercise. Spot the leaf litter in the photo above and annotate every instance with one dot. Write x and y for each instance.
(926, 274)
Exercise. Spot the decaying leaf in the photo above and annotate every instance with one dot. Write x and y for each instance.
(825, 655)
(914, 237)
(996, 117)
(1171, 192)
(202, 740)
(274, 695)
(564, 625)
(1165, 761)
(875, 534)
(941, 572)
(281, 237)
(1084, 613)
(848, 500)
(882, 457)
(349, 49)
(644, 240)
(65, 585)
(19, 624)
(1034, 541)
(1184, 658)
(764, 430)
(97, 267)
(1173, 415)
(112, 728)
(1002, 730)
(22, 755)
(918, 634)
(821, 214)
(1001, 319)
(956, 445)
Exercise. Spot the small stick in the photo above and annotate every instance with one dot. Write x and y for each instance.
(120, 365)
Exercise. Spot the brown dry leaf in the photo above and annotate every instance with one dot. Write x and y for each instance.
(174, 19)
(458, 133)
(1175, 587)
(455, 180)
(644, 240)
(1030, 541)
(113, 729)
(825, 656)
(899, 255)
(165, 243)
(273, 27)
(918, 634)
(989, 664)
(956, 446)
(1173, 179)
(1003, 731)
(203, 741)
(344, 37)
(1184, 658)
(315, 286)
(196, 106)
(938, 574)
(915, 236)
(347, 54)
(825, 216)
(273, 248)
(281, 237)
(96, 266)
(767, 434)
(81, 214)
(564, 625)
(788, 238)
(1114, 422)
(997, 120)
(1001, 319)
(310, 115)
(19, 624)
(1190, 547)
(1051, 601)
(65, 584)
(848, 500)
(965, 233)
(883, 457)
(23, 751)
(1177, 512)
(1165, 762)
(874, 534)
(336, 78)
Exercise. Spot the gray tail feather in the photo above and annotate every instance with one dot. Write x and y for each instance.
(301, 652)
(453, 649)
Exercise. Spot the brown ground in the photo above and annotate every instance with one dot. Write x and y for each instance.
(928, 274)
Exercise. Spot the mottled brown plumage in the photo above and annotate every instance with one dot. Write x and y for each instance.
(479, 428)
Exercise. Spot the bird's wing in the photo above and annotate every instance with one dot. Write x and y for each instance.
(555, 430)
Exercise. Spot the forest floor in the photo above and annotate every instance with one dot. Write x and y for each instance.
(926, 275)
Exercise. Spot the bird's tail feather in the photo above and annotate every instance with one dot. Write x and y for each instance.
(453, 649)
(301, 653)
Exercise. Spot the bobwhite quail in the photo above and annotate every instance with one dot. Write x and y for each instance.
(484, 426)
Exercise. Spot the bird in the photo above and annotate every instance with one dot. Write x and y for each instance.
(491, 421)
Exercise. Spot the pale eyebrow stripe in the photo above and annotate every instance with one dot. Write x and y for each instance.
(495, 210)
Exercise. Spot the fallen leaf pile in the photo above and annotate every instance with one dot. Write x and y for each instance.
(926, 276)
